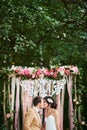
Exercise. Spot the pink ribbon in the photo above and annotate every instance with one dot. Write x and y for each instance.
(62, 106)
(30, 102)
(69, 88)
(58, 107)
(24, 104)
(60, 103)
(17, 104)
(27, 102)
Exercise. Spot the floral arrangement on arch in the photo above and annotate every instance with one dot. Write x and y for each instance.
(35, 73)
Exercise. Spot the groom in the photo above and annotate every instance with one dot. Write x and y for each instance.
(32, 118)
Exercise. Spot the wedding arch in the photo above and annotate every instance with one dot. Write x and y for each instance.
(23, 83)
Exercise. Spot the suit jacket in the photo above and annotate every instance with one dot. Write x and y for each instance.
(32, 120)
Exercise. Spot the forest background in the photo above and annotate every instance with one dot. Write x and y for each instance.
(44, 33)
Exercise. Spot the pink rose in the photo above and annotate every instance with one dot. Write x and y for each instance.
(33, 76)
(67, 71)
(46, 72)
(38, 72)
(26, 72)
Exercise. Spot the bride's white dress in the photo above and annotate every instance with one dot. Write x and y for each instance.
(50, 123)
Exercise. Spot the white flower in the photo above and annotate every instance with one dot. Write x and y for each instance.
(49, 100)
(74, 100)
(83, 122)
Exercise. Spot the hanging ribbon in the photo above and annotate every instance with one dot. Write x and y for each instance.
(62, 106)
(13, 95)
(23, 103)
(4, 104)
(58, 108)
(69, 88)
(75, 111)
(27, 92)
(13, 91)
(60, 91)
(17, 104)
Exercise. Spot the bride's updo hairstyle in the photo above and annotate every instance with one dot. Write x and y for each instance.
(50, 101)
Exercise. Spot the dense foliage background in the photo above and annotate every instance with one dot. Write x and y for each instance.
(44, 33)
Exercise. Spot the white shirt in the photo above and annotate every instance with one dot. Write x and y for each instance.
(36, 109)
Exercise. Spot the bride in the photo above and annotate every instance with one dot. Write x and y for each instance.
(51, 117)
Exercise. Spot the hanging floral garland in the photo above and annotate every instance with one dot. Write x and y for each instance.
(35, 73)
(49, 81)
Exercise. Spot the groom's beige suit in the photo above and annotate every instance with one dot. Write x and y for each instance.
(32, 120)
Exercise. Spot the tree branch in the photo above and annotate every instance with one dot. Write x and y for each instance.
(65, 4)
